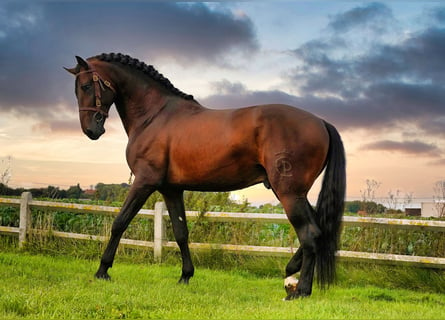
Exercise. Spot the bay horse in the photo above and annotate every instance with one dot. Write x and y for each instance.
(176, 144)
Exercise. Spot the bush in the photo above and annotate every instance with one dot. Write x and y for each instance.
(9, 217)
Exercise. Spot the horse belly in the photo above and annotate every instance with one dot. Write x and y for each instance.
(210, 171)
(223, 178)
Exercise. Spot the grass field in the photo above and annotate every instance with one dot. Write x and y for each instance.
(45, 287)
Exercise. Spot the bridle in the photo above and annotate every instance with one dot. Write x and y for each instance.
(99, 85)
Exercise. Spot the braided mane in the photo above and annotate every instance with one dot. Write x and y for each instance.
(146, 69)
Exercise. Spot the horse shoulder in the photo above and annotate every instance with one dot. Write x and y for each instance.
(146, 155)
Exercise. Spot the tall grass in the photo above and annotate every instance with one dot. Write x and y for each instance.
(367, 239)
(394, 241)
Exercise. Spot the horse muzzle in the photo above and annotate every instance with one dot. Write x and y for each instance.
(94, 132)
(94, 127)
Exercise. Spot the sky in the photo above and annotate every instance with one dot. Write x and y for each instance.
(373, 69)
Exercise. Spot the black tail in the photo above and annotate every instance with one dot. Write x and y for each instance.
(330, 207)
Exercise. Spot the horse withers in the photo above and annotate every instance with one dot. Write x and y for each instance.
(176, 144)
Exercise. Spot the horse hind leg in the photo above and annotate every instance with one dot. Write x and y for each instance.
(301, 216)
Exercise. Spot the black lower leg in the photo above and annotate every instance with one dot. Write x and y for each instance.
(302, 219)
(187, 266)
(295, 263)
(175, 204)
(107, 259)
(134, 202)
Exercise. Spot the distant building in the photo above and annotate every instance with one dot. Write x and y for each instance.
(424, 209)
(432, 209)
(89, 192)
(413, 209)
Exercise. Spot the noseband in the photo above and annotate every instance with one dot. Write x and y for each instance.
(99, 85)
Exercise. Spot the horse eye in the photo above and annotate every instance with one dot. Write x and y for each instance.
(86, 87)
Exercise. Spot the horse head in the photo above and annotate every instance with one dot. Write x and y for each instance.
(95, 95)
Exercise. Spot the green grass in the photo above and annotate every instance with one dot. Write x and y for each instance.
(45, 287)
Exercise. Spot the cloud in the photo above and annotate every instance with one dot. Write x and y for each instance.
(416, 59)
(59, 126)
(433, 126)
(375, 16)
(235, 95)
(185, 32)
(393, 85)
(440, 162)
(407, 147)
(436, 15)
(388, 83)
(38, 39)
(226, 87)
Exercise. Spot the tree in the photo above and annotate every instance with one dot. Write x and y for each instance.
(53, 192)
(439, 198)
(112, 192)
(7, 191)
(74, 192)
(353, 206)
(368, 197)
(5, 170)
(368, 194)
(372, 207)
(395, 200)
(207, 201)
(408, 198)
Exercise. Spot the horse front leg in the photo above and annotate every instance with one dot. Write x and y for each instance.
(133, 203)
(175, 205)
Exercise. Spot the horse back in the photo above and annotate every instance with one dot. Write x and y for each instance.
(236, 148)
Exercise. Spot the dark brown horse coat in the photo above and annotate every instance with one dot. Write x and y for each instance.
(175, 144)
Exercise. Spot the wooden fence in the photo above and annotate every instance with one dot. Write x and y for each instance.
(159, 214)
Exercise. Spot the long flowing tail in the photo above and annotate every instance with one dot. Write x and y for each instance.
(330, 206)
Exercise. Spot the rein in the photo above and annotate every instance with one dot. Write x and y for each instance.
(99, 84)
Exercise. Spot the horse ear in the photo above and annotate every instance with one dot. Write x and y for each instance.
(82, 63)
(71, 70)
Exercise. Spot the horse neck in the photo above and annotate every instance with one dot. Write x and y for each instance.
(138, 100)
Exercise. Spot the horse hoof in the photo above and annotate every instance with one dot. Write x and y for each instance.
(184, 280)
(290, 285)
(102, 276)
(295, 295)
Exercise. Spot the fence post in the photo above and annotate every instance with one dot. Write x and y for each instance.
(25, 218)
(159, 230)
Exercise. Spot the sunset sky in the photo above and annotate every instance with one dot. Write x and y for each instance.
(376, 70)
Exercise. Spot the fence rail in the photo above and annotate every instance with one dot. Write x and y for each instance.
(159, 214)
